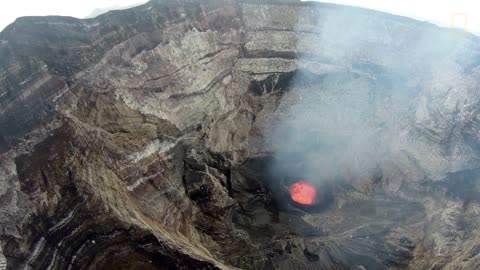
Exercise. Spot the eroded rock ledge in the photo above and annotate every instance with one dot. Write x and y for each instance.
(148, 139)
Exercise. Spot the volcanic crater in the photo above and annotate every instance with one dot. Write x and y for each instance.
(169, 135)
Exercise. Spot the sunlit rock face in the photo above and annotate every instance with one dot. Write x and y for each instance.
(167, 136)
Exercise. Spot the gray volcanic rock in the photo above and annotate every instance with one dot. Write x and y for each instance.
(166, 136)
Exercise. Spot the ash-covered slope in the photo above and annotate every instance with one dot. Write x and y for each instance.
(165, 137)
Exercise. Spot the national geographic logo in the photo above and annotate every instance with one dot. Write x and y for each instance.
(459, 21)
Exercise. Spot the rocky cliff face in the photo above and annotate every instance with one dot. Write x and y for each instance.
(165, 137)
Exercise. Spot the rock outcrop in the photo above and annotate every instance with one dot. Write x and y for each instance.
(165, 136)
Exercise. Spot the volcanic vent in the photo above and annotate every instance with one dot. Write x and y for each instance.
(303, 192)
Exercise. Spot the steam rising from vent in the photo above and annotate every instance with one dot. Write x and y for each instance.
(374, 101)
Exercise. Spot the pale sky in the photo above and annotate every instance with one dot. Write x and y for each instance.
(459, 13)
(464, 14)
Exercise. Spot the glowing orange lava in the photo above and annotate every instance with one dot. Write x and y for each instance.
(303, 192)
